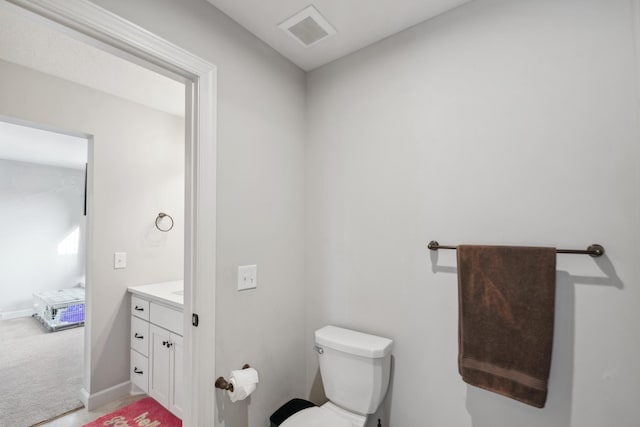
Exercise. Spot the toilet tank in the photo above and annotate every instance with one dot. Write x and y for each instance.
(355, 368)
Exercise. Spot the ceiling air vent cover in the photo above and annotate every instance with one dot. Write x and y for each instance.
(308, 27)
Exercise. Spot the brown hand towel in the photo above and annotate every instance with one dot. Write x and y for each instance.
(506, 302)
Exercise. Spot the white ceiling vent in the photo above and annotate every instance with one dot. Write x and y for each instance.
(308, 27)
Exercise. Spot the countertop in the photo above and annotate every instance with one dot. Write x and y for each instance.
(169, 293)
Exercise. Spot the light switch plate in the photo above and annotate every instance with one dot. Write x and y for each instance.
(247, 277)
(119, 260)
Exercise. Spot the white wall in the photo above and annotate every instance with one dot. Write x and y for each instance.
(261, 116)
(501, 122)
(136, 170)
(41, 207)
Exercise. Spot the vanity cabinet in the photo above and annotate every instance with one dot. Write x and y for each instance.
(157, 351)
(165, 368)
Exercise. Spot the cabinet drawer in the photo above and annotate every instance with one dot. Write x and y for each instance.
(140, 335)
(167, 318)
(140, 371)
(139, 307)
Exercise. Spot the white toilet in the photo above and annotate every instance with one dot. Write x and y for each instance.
(355, 369)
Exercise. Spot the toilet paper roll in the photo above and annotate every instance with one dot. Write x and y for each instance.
(245, 376)
(240, 392)
(244, 383)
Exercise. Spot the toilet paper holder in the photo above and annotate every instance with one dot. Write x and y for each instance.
(223, 384)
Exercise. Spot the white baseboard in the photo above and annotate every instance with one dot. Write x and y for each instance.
(101, 398)
(15, 314)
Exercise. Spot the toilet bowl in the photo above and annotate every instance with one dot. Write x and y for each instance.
(355, 368)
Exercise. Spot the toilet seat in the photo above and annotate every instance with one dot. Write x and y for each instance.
(316, 417)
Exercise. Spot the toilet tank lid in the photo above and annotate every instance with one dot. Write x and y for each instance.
(353, 342)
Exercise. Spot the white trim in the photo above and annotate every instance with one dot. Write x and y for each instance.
(17, 313)
(40, 126)
(110, 32)
(635, 9)
(107, 27)
(101, 398)
(88, 272)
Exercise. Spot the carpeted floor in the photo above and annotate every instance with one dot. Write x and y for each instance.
(40, 372)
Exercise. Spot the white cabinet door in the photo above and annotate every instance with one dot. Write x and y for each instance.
(159, 364)
(176, 380)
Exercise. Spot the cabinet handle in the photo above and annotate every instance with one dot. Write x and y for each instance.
(140, 337)
(138, 308)
(164, 343)
(169, 344)
(137, 371)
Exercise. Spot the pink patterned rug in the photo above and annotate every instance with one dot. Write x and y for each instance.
(145, 412)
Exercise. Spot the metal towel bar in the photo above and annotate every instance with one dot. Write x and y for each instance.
(594, 250)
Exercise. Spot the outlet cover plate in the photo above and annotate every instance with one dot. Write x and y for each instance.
(119, 260)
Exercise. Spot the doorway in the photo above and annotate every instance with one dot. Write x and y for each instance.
(42, 280)
(99, 28)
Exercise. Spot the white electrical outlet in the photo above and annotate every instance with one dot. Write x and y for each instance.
(247, 277)
(119, 260)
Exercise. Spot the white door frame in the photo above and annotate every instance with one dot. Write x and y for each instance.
(107, 31)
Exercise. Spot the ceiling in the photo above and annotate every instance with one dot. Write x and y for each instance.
(31, 44)
(359, 23)
(31, 145)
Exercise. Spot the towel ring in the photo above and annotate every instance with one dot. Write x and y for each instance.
(159, 218)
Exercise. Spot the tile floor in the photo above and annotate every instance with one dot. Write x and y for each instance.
(82, 416)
